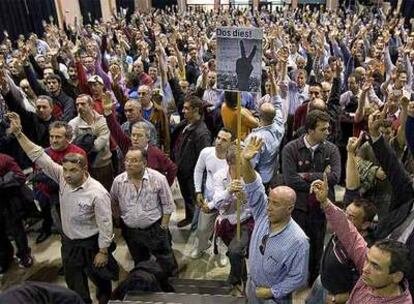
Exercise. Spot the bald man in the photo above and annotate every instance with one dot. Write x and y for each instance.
(271, 130)
(279, 249)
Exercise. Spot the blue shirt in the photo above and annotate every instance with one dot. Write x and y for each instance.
(284, 265)
(266, 160)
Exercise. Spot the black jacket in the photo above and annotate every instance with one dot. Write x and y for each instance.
(300, 169)
(36, 129)
(186, 145)
(63, 101)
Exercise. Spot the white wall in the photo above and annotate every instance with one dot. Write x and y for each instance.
(70, 10)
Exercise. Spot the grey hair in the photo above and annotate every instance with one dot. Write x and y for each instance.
(62, 124)
(142, 125)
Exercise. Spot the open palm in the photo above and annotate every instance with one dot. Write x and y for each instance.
(252, 148)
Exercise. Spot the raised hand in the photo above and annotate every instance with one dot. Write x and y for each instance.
(320, 189)
(353, 143)
(15, 123)
(404, 101)
(244, 67)
(107, 103)
(252, 148)
(375, 121)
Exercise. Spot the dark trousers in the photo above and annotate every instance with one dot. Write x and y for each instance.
(236, 249)
(51, 214)
(6, 249)
(188, 193)
(151, 240)
(14, 226)
(313, 224)
(104, 175)
(76, 277)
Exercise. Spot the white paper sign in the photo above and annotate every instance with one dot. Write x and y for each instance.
(239, 59)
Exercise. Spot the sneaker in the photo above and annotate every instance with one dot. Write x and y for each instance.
(26, 262)
(196, 254)
(222, 260)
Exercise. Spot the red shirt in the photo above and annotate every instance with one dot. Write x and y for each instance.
(57, 157)
(8, 164)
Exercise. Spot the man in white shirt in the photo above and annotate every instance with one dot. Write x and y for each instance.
(211, 160)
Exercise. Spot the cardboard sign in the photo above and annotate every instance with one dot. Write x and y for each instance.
(239, 59)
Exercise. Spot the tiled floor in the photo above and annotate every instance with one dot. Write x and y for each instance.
(47, 260)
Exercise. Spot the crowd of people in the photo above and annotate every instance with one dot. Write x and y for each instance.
(98, 122)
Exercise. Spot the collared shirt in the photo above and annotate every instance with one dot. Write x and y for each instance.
(272, 135)
(225, 202)
(357, 249)
(296, 96)
(210, 163)
(310, 148)
(85, 210)
(142, 206)
(212, 96)
(284, 265)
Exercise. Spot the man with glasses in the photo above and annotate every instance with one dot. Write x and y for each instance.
(279, 249)
(142, 202)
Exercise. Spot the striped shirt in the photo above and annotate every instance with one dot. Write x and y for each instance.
(284, 265)
(296, 96)
(142, 206)
(85, 210)
(212, 96)
(272, 135)
(357, 249)
(225, 202)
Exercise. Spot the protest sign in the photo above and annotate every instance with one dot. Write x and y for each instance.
(239, 59)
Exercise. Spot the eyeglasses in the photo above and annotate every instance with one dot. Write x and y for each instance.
(262, 246)
(142, 93)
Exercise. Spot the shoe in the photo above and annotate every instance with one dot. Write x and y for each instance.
(196, 254)
(237, 291)
(26, 262)
(183, 223)
(222, 260)
(43, 236)
(61, 272)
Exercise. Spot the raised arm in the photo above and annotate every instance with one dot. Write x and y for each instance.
(123, 141)
(34, 152)
(346, 232)
(352, 180)
(400, 181)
